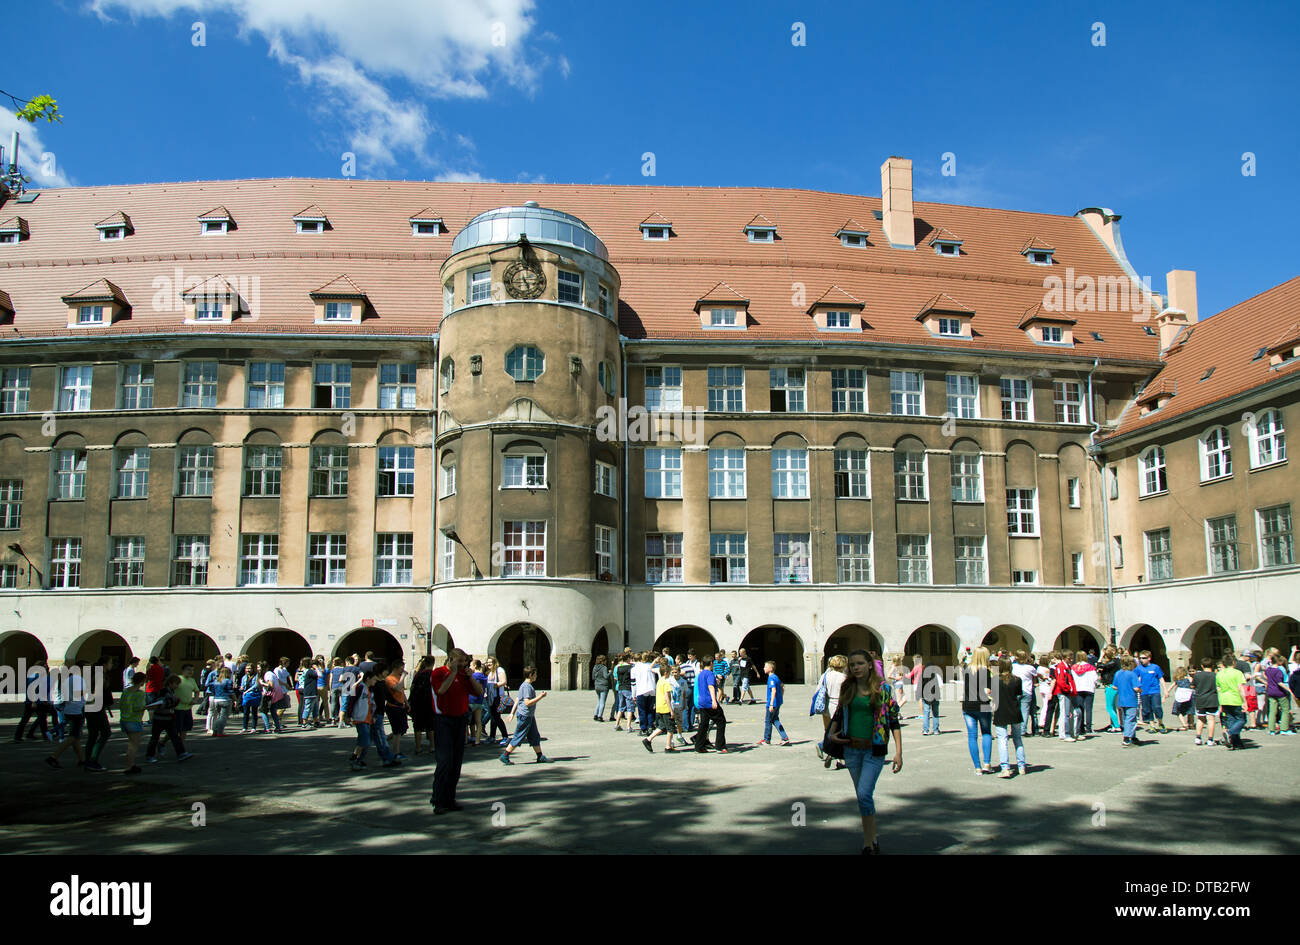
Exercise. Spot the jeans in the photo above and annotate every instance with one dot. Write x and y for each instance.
(449, 754)
(1129, 714)
(526, 731)
(1085, 706)
(1234, 720)
(1065, 709)
(1013, 732)
(220, 713)
(930, 713)
(38, 710)
(380, 739)
(165, 727)
(1153, 707)
(1111, 694)
(688, 712)
(773, 717)
(336, 701)
(865, 768)
(977, 725)
(310, 707)
(601, 697)
(250, 716)
(645, 707)
(711, 717)
(1279, 710)
(97, 732)
(363, 741)
(1026, 709)
(624, 702)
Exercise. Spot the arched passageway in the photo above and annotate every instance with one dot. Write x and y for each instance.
(270, 646)
(781, 645)
(686, 638)
(937, 646)
(524, 644)
(365, 640)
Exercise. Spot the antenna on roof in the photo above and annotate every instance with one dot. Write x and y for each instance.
(11, 182)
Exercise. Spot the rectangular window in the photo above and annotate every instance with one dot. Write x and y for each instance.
(394, 558)
(265, 384)
(663, 388)
(11, 503)
(852, 478)
(906, 393)
(137, 386)
(727, 389)
(606, 548)
(74, 387)
(1275, 542)
(65, 563)
(967, 477)
(1021, 509)
(1221, 533)
(133, 473)
(1076, 567)
(791, 561)
(332, 389)
(259, 560)
(397, 386)
(396, 471)
(909, 476)
(1117, 551)
(840, 321)
(90, 314)
(199, 385)
(338, 311)
(789, 474)
(480, 285)
(1016, 401)
(262, 466)
(569, 287)
(723, 318)
(963, 395)
(1160, 555)
(448, 297)
(329, 470)
(848, 390)
(524, 472)
(8, 572)
(663, 473)
(70, 474)
(970, 561)
(950, 327)
(853, 559)
(604, 479)
(663, 558)
(1053, 334)
(786, 390)
(525, 549)
(728, 559)
(1024, 578)
(1074, 492)
(1068, 397)
(913, 559)
(15, 390)
(603, 302)
(448, 481)
(209, 310)
(194, 470)
(727, 474)
(190, 565)
(126, 567)
(448, 559)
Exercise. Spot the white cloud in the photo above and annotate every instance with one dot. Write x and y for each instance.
(347, 50)
(35, 160)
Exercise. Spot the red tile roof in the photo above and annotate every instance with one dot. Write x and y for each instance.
(835, 296)
(114, 219)
(1227, 343)
(721, 293)
(216, 214)
(1039, 244)
(1040, 313)
(339, 288)
(656, 219)
(942, 235)
(370, 239)
(99, 291)
(852, 226)
(945, 304)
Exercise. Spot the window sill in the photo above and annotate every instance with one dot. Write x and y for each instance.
(1279, 462)
(1227, 478)
(1152, 495)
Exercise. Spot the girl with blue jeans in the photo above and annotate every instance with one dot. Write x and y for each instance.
(866, 717)
(977, 709)
(1008, 718)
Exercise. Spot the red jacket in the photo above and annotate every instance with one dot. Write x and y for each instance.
(153, 678)
(1064, 685)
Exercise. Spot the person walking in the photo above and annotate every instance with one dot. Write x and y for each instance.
(130, 718)
(1279, 693)
(833, 682)
(1232, 689)
(451, 685)
(165, 722)
(98, 728)
(1025, 669)
(1152, 678)
(742, 672)
(929, 693)
(69, 693)
(1085, 692)
(221, 691)
(396, 708)
(497, 700)
(644, 681)
(600, 682)
(526, 700)
(1128, 691)
(663, 724)
(1205, 686)
(1107, 667)
(689, 667)
(36, 702)
(866, 717)
(708, 703)
(1063, 691)
(775, 696)
(977, 708)
(421, 702)
(625, 705)
(1008, 715)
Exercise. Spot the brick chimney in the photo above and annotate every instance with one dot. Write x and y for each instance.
(1180, 311)
(896, 202)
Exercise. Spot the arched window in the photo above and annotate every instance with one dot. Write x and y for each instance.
(525, 363)
(967, 473)
(1152, 476)
(1216, 455)
(1268, 440)
(910, 473)
(446, 374)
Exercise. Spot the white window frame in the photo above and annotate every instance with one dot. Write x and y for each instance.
(190, 559)
(1017, 403)
(1068, 410)
(837, 320)
(194, 469)
(663, 472)
(913, 559)
(259, 559)
(971, 569)
(791, 554)
(606, 548)
(663, 558)
(733, 549)
(722, 395)
(908, 477)
(137, 386)
(663, 388)
(11, 504)
(726, 318)
(528, 360)
(853, 558)
(1160, 561)
(790, 474)
(394, 559)
(329, 471)
(1074, 492)
(329, 552)
(1052, 334)
(527, 556)
(199, 392)
(15, 390)
(70, 474)
(266, 387)
(1024, 578)
(65, 563)
(1276, 545)
(337, 376)
(397, 463)
(654, 232)
(131, 473)
(963, 395)
(847, 396)
(447, 481)
(75, 387)
(950, 327)
(727, 473)
(338, 312)
(1076, 567)
(523, 470)
(907, 393)
(1153, 472)
(90, 314)
(126, 561)
(1022, 513)
(1222, 543)
(1267, 439)
(606, 480)
(480, 285)
(1216, 458)
(397, 385)
(263, 470)
(781, 379)
(854, 465)
(448, 558)
(309, 226)
(963, 477)
(606, 377)
(568, 284)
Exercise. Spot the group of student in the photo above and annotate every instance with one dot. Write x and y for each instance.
(662, 694)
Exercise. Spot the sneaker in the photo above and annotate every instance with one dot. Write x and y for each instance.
(820, 752)
(185, 757)
(722, 750)
(543, 760)
(648, 747)
(1006, 773)
(826, 760)
(762, 741)
(504, 759)
(1020, 770)
(400, 757)
(1127, 743)
(618, 728)
(52, 761)
(786, 743)
(1286, 732)
(95, 766)
(978, 772)
(151, 761)
(1196, 740)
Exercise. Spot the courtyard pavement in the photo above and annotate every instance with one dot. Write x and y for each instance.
(604, 793)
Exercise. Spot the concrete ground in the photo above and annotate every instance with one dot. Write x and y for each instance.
(605, 794)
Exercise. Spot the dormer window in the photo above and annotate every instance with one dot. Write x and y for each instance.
(339, 302)
(839, 321)
(654, 233)
(852, 234)
(116, 226)
(216, 221)
(1052, 334)
(338, 311)
(722, 318)
(945, 317)
(95, 305)
(1047, 327)
(656, 227)
(311, 220)
(945, 242)
(426, 223)
(8, 237)
(90, 314)
(948, 249)
(950, 327)
(213, 226)
(209, 310)
(213, 301)
(13, 230)
(723, 307)
(761, 230)
(836, 310)
(1286, 348)
(1037, 251)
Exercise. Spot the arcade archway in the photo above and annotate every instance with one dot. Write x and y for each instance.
(1207, 638)
(937, 646)
(685, 638)
(365, 640)
(271, 645)
(1077, 638)
(520, 645)
(186, 646)
(1146, 637)
(1282, 632)
(1007, 637)
(853, 636)
(21, 645)
(781, 645)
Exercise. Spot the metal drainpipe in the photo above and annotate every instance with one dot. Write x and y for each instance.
(433, 504)
(623, 515)
(1105, 502)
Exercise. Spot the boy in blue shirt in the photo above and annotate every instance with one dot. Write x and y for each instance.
(1152, 682)
(775, 696)
(720, 669)
(708, 698)
(1127, 690)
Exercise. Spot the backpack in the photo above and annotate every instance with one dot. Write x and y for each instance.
(1065, 678)
(819, 698)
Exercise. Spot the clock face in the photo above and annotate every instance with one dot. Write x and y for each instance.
(524, 280)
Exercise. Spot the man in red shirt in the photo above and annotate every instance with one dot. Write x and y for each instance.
(452, 685)
(153, 678)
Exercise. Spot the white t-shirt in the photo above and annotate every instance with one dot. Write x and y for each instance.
(643, 678)
(834, 682)
(1085, 682)
(1026, 673)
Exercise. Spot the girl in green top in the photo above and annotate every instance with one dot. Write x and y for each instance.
(131, 718)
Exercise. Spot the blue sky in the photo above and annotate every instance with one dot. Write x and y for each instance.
(1153, 124)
